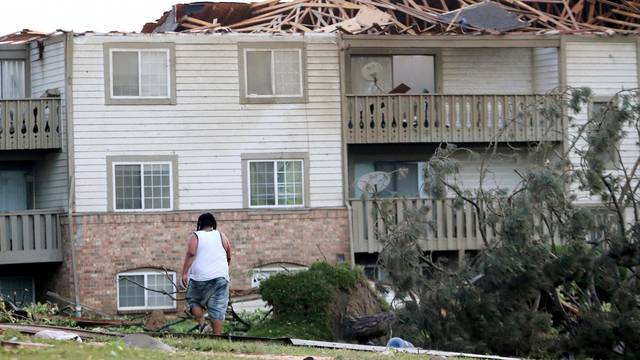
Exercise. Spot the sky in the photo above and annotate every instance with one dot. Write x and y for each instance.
(81, 15)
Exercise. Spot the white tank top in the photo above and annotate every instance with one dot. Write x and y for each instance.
(211, 257)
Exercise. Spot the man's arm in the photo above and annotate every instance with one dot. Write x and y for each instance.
(192, 248)
(227, 247)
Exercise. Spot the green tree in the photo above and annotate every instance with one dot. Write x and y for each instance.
(554, 277)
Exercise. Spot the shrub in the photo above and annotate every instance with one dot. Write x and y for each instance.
(306, 295)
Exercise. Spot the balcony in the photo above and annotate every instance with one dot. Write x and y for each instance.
(451, 228)
(379, 119)
(30, 124)
(31, 236)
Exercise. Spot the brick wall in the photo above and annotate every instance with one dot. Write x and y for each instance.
(111, 243)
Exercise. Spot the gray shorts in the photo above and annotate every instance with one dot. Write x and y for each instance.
(212, 295)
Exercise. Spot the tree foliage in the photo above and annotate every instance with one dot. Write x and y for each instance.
(556, 277)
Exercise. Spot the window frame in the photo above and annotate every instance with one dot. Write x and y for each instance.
(146, 300)
(139, 48)
(272, 47)
(142, 184)
(275, 183)
(172, 160)
(274, 157)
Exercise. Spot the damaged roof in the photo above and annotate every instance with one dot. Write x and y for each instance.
(21, 37)
(414, 17)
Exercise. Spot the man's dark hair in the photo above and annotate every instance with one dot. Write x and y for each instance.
(206, 220)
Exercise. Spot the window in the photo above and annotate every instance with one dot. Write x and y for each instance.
(142, 186)
(18, 289)
(264, 272)
(407, 177)
(272, 74)
(380, 74)
(132, 294)
(139, 73)
(276, 183)
(12, 79)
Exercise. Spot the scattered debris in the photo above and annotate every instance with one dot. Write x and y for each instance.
(146, 342)
(81, 321)
(33, 329)
(399, 343)
(155, 321)
(384, 349)
(413, 17)
(23, 345)
(85, 308)
(57, 335)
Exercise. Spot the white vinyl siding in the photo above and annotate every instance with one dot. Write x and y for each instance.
(51, 174)
(606, 67)
(208, 129)
(273, 73)
(545, 69)
(276, 183)
(486, 71)
(142, 186)
(132, 294)
(140, 73)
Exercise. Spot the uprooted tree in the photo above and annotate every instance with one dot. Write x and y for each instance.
(553, 277)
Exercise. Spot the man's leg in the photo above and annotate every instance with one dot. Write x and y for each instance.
(198, 312)
(217, 326)
(217, 305)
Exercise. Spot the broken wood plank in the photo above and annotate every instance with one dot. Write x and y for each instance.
(24, 345)
(619, 22)
(195, 21)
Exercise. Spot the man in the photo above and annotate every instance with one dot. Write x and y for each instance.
(205, 273)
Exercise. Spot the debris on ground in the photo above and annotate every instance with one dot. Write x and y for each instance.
(155, 321)
(14, 344)
(399, 343)
(146, 342)
(57, 335)
(33, 329)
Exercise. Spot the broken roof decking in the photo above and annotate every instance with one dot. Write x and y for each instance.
(413, 17)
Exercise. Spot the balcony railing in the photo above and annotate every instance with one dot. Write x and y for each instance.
(32, 236)
(376, 119)
(447, 227)
(450, 228)
(27, 124)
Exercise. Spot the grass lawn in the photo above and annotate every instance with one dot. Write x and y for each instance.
(186, 348)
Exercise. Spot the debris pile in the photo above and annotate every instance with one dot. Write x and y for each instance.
(413, 17)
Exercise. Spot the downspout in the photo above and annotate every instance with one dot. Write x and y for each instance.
(345, 168)
(68, 98)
